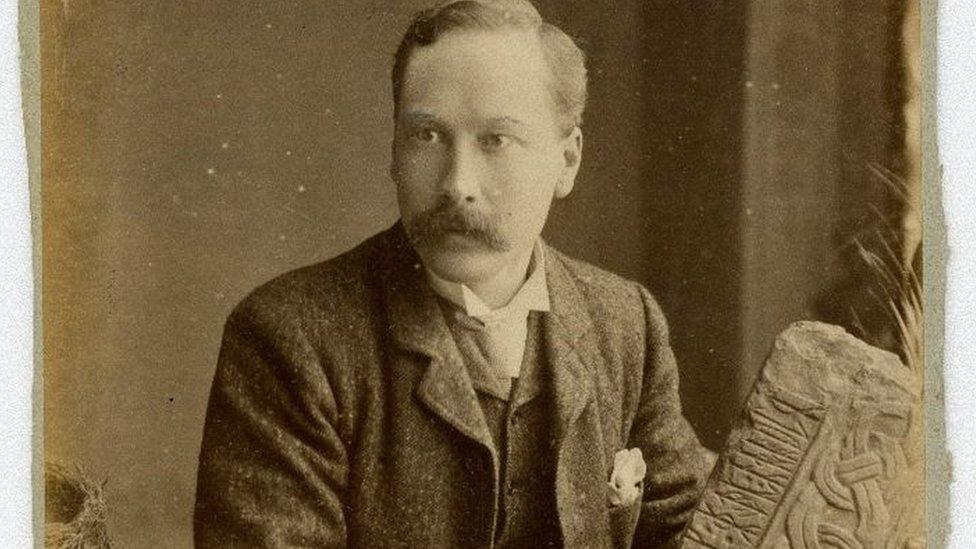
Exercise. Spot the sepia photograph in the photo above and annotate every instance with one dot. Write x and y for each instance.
(482, 273)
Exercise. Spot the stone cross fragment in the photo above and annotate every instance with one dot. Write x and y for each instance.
(826, 455)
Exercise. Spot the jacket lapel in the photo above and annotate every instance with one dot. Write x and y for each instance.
(417, 326)
(570, 345)
(575, 361)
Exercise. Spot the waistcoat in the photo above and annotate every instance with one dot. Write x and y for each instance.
(518, 413)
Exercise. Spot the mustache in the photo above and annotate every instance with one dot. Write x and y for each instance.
(430, 227)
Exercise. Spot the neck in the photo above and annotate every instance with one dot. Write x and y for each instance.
(497, 290)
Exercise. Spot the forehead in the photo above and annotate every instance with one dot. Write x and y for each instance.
(480, 75)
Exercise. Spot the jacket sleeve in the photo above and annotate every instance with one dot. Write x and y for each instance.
(273, 466)
(677, 464)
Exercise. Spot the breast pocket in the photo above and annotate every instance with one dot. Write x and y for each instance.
(623, 524)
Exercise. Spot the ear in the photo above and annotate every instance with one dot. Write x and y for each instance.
(572, 152)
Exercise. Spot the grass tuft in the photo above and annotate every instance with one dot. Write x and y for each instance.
(75, 510)
(896, 285)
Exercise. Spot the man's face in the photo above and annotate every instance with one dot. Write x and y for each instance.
(478, 154)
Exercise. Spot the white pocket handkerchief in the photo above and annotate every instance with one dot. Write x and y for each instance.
(628, 472)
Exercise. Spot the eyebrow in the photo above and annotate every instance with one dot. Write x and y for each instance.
(420, 116)
(423, 116)
(502, 120)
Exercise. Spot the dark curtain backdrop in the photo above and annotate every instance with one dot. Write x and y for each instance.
(193, 150)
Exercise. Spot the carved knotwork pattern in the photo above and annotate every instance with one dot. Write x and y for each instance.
(849, 503)
(809, 475)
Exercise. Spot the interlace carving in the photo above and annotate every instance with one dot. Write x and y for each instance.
(827, 455)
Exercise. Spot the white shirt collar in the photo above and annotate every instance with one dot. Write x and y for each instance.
(532, 296)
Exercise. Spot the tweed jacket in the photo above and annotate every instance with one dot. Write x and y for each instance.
(342, 415)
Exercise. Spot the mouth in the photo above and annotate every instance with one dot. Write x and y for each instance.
(458, 231)
(457, 240)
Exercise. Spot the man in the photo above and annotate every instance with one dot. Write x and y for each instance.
(454, 381)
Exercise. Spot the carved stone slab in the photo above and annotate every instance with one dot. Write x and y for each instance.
(827, 453)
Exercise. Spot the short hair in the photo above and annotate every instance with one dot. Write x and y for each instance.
(566, 61)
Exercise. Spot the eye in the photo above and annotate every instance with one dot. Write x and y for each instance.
(495, 141)
(427, 135)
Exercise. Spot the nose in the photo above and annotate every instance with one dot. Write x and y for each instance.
(460, 181)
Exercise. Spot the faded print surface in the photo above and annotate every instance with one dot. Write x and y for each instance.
(734, 154)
